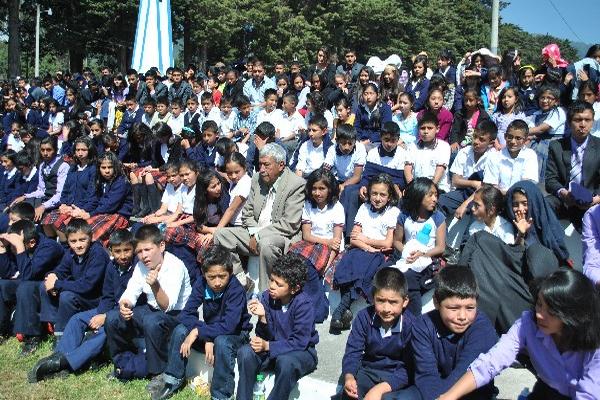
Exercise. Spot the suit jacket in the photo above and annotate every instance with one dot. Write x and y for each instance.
(160, 90)
(559, 165)
(287, 207)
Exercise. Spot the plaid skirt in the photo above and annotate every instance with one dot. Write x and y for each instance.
(159, 176)
(58, 220)
(202, 249)
(183, 234)
(318, 254)
(105, 224)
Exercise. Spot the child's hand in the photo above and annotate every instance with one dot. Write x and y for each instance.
(522, 223)
(460, 211)
(50, 281)
(125, 309)
(259, 345)
(185, 144)
(152, 277)
(256, 308)
(39, 212)
(363, 193)
(97, 321)
(454, 147)
(350, 386)
(377, 391)
(334, 244)
(186, 346)
(209, 354)
(413, 256)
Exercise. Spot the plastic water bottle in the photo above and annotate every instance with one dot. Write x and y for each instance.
(423, 235)
(259, 391)
(162, 227)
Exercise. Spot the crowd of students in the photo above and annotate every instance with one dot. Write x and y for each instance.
(130, 202)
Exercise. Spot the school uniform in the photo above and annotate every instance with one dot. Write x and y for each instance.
(24, 184)
(274, 117)
(241, 189)
(445, 119)
(8, 182)
(163, 153)
(242, 122)
(568, 374)
(184, 234)
(502, 229)
(365, 130)
(310, 157)
(202, 155)
(78, 349)
(225, 322)
(374, 354)
(182, 91)
(172, 197)
(503, 120)
(20, 276)
(464, 165)
(51, 181)
(425, 160)
(226, 122)
(290, 331)
(110, 208)
(290, 125)
(419, 90)
(78, 187)
(556, 118)
(504, 171)
(149, 320)
(190, 119)
(212, 115)
(529, 98)
(441, 357)
(79, 286)
(342, 165)
(150, 120)
(176, 123)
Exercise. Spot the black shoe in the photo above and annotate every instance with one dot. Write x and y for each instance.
(3, 339)
(46, 366)
(30, 345)
(166, 391)
(155, 384)
(347, 320)
(335, 327)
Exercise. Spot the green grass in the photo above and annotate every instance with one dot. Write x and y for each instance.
(88, 385)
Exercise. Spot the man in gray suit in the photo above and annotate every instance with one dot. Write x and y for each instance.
(271, 216)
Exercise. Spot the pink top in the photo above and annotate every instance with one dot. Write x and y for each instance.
(445, 123)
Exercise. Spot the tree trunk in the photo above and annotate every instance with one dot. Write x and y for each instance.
(14, 39)
(188, 45)
(76, 56)
(204, 57)
(122, 58)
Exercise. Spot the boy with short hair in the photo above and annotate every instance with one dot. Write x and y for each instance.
(176, 122)
(133, 114)
(264, 133)
(311, 154)
(347, 159)
(162, 110)
(467, 170)
(75, 285)
(513, 163)
(192, 114)
(180, 89)
(25, 257)
(446, 340)
(209, 111)
(204, 153)
(223, 328)
(286, 335)
(270, 112)
(291, 123)
(376, 359)
(150, 116)
(75, 349)
(226, 117)
(245, 121)
(15, 213)
(28, 180)
(164, 280)
(429, 156)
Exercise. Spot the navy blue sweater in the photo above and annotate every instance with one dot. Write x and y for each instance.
(7, 186)
(116, 198)
(225, 315)
(115, 283)
(32, 265)
(22, 186)
(388, 356)
(292, 330)
(201, 156)
(442, 357)
(365, 124)
(83, 276)
(128, 121)
(77, 186)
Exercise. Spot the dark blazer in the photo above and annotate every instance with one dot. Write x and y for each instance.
(559, 165)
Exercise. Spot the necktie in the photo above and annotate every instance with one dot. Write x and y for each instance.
(576, 165)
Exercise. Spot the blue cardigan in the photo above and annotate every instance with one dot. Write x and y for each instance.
(115, 283)
(226, 314)
(77, 186)
(419, 91)
(22, 186)
(116, 198)
(365, 128)
(32, 265)
(83, 276)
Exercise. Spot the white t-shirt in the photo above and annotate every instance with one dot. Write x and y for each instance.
(412, 227)
(322, 221)
(465, 165)
(375, 225)
(176, 123)
(172, 197)
(188, 196)
(173, 278)
(504, 171)
(396, 162)
(502, 229)
(226, 123)
(242, 189)
(425, 160)
(289, 125)
(342, 166)
(310, 157)
(274, 117)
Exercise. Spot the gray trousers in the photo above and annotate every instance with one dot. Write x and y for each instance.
(236, 240)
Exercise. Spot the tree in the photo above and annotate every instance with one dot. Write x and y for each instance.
(14, 45)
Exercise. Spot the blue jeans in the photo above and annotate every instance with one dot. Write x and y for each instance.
(59, 309)
(288, 367)
(225, 352)
(78, 350)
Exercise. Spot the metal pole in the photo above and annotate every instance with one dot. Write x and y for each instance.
(37, 42)
(495, 17)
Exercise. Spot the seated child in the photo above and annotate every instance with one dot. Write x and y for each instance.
(488, 204)
(192, 115)
(429, 157)
(467, 170)
(291, 124)
(171, 197)
(265, 133)
(311, 154)
(322, 235)
(372, 234)
(176, 121)
(490, 92)
(435, 106)
(239, 189)
(8, 178)
(466, 120)
(406, 119)
(110, 203)
(347, 158)
(74, 351)
(75, 285)
(162, 110)
(245, 121)
(150, 116)
(25, 257)
(204, 153)
(371, 115)
(270, 112)
(419, 237)
(222, 329)
(344, 114)
(209, 111)
(513, 163)
(446, 340)
(180, 228)
(165, 282)
(508, 109)
(28, 179)
(561, 337)
(376, 359)
(285, 332)
(226, 117)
